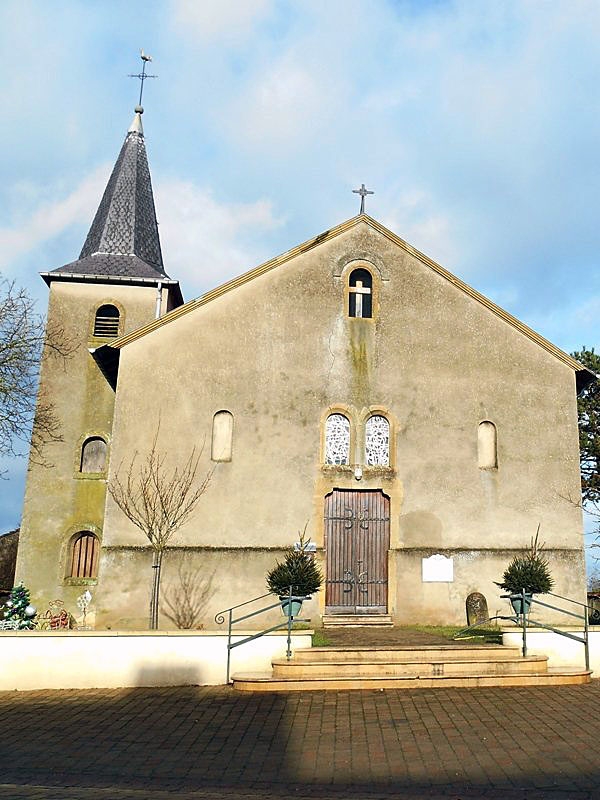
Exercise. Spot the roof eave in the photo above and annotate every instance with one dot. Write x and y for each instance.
(48, 277)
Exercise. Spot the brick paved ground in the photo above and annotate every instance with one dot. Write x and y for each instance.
(208, 743)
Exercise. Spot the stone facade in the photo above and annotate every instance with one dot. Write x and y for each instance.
(479, 413)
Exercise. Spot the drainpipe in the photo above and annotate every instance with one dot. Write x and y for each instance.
(158, 299)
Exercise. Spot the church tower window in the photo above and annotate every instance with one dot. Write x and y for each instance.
(93, 455)
(487, 445)
(360, 294)
(337, 439)
(377, 441)
(84, 555)
(222, 436)
(106, 322)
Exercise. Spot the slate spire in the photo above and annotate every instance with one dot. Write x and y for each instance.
(123, 240)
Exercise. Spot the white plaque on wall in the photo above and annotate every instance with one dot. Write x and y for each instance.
(438, 568)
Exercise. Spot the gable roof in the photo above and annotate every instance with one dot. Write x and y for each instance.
(584, 375)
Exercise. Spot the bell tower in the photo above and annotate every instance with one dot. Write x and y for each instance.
(117, 284)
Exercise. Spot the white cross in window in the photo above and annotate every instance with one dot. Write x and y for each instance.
(358, 291)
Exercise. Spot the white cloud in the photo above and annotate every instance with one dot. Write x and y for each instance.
(205, 242)
(415, 218)
(214, 20)
(51, 219)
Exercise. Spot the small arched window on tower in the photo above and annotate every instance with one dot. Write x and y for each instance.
(360, 294)
(222, 436)
(337, 439)
(487, 445)
(377, 441)
(93, 455)
(106, 322)
(85, 550)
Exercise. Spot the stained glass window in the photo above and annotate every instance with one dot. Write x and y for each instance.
(337, 439)
(377, 441)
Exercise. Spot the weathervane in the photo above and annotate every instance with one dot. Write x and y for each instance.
(142, 77)
(363, 193)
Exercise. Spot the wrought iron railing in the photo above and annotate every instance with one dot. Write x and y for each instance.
(231, 621)
(524, 620)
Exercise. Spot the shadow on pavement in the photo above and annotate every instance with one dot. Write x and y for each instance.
(493, 743)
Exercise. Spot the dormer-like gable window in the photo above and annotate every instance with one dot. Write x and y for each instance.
(360, 294)
(106, 322)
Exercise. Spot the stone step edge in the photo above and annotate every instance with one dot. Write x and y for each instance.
(266, 682)
(312, 664)
(442, 648)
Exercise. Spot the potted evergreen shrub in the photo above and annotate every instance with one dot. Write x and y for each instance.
(529, 572)
(299, 571)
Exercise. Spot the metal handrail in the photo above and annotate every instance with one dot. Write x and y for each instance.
(524, 620)
(220, 619)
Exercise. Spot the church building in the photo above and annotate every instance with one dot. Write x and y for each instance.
(350, 385)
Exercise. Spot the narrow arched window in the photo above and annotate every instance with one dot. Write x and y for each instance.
(487, 445)
(222, 436)
(337, 439)
(360, 293)
(106, 322)
(84, 555)
(93, 455)
(377, 441)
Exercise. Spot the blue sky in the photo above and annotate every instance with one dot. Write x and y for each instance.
(476, 124)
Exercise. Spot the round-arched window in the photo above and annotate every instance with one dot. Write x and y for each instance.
(360, 294)
(85, 550)
(93, 455)
(106, 322)
(337, 439)
(377, 441)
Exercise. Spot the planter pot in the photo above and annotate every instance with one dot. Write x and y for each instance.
(516, 601)
(290, 608)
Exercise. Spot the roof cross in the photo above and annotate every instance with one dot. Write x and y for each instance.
(363, 193)
(142, 77)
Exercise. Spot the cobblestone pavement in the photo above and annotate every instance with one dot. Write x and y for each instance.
(210, 743)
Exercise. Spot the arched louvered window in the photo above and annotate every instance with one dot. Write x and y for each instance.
(93, 455)
(222, 436)
(84, 555)
(337, 439)
(377, 441)
(360, 294)
(487, 445)
(106, 322)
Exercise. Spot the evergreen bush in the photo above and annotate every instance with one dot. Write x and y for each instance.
(530, 572)
(298, 570)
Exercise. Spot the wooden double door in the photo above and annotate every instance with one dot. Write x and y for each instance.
(357, 540)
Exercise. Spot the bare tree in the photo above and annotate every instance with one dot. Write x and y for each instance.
(25, 342)
(187, 599)
(158, 501)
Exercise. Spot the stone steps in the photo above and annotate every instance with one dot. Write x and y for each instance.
(404, 654)
(336, 668)
(347, 669)
(265, 682)
(357, 621)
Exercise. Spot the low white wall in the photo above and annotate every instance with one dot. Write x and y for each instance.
(561, 651)
(114, 659)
